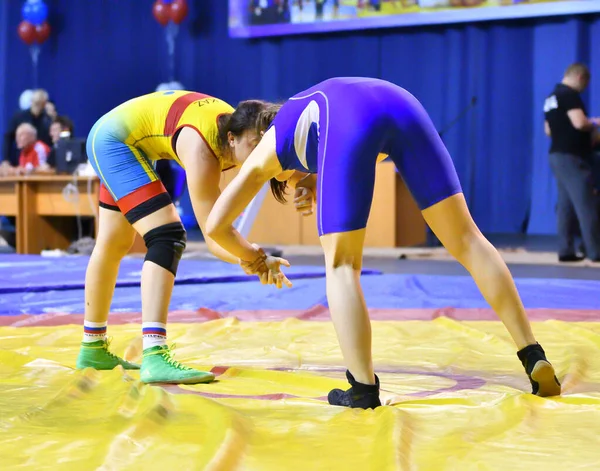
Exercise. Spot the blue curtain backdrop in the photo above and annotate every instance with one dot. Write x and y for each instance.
(103, 52)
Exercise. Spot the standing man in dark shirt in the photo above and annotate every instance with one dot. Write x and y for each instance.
(570, 159)
(36, 116)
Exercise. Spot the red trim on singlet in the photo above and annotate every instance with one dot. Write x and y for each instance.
(105, 197)
(177, 109)
(141, 195)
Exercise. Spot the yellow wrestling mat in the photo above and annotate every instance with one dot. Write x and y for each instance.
(457, 392)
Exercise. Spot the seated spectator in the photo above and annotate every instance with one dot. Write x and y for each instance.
(37, 117)
(37, 124)
(34, 153)
(61, 128)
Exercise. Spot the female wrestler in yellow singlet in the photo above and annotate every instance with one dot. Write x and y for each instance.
(198, 132)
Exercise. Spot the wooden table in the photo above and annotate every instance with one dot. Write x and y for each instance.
(46, 218)
(45, 207)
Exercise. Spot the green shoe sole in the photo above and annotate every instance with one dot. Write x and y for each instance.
(204, 378)
(126, 366)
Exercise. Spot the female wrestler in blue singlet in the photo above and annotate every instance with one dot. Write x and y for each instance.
(333, 134)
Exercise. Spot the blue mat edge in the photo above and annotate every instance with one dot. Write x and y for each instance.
(185, 281)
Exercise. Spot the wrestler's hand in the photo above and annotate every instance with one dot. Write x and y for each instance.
(304, 199)
(268, 271)
(254, 267)
(267, 268)
(274, 275)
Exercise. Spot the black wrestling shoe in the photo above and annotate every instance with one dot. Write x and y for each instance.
(570, 258)
(541, 373)
(361, 396)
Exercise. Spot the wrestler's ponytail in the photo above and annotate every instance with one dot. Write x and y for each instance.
(223, 128)
(278, 189)
(266, 117)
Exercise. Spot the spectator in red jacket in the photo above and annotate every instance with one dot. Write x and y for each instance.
(34, 153)
(35, 115)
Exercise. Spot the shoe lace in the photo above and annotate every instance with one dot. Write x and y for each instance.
(167, 354)
(108, 352)
(104, 347)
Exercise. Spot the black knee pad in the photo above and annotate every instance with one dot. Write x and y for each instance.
(166, 245)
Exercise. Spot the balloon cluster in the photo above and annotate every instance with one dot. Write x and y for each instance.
(169, 10)
(34, 27)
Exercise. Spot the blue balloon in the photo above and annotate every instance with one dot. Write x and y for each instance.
(167, 1)
(35, 11)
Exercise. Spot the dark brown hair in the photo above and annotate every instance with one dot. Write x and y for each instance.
(65, 123)
(257, 115)
(278, 189)
(249, 114)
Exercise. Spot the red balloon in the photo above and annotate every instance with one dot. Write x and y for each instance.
(26, 32)
(161, 12)
(179, 10)
(42, 32)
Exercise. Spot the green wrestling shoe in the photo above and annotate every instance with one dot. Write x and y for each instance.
(159, 366)
(96, 355)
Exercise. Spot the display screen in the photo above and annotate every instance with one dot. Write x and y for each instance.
(255, 18)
